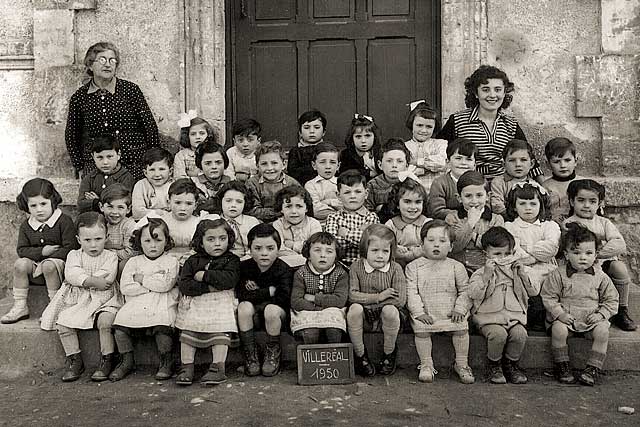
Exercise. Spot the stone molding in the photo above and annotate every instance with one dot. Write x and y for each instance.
(17, 62)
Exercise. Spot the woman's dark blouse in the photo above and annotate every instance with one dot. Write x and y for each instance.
(124, 114)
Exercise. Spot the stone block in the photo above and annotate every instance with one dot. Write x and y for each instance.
(620, 26)
(64, 4)
(53, 38)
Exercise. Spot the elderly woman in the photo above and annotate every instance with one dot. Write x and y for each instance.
(109, 105)
(488, 93)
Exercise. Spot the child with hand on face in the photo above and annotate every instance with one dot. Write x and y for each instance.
(183, 195)
(443, 202)
(206, 314)
(428, 155)
(407, 199)
(264, 292)
(437, 300)
(393, 159)
(212, 160)
(151, 298)
(44, 241)
(377, 295)
(363, 144)
(518, 160)
(246, 135)
(193, 132)
(234, 200)
(580, 300)
(323, 189)
(500, 291)
(320, 292)
(115, 204)
(106, 156)
(561, 155)
(271, 179)
(312, 125)
(587, 197)
(472, 220)
(349, 222)
(150, 194)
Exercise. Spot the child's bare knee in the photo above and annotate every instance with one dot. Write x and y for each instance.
(559, 330)
(355, 311)
(390, 313)
(49, 267)
(246, 310)
(618, 270)
(105, 320)
(273, 313)
(23, 265)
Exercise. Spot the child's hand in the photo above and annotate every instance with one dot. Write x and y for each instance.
(335, 203)
(288, 244)
(473, 215)
(425, 318)
(566, 318)
(402, 250)
(379, 208)
(251, 285)
(272, 291)
(343, 231)
(594, 318)
(457, 317)
(388, 293)
(97, 283)
(310, 297)
(49, 249)
(138, 277)
(199, 276)
(489, 269)
(90, 195)
(451, 219)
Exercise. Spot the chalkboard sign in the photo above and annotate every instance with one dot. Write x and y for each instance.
(325, 364)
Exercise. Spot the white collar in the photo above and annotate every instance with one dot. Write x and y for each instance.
(301, 224)
(319, 179)
(369, 269)
(525, 224)
(453, 178)
(316, 272)
(35, 224)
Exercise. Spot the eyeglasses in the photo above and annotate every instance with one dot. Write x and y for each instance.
(102, 60)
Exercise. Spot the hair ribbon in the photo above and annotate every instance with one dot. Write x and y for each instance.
(409, 173)
(185, 118)
(534, 184)
(414, 104)
(144, 221)
(362, 116)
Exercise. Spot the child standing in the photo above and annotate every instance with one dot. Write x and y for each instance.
(320, 292)
(183, 194)
(150, 194)
(234, 200)
(264, 292)
(473, 218)
(587, 198)
(500, 291)
(561, 155)
(363, 144)
(91, 297)
(297, 223)
(443, 200)
(312, 125)
(115, 204)
(537, 239)
(377, 295)
(246, 135)
(151, 298)
(394, 158)
(205, 312)
(212, 161)
(106, 155)
(579, 299)
(407, 201)
(193, 131)
(271, 179)
(437, 300)
(44, 240)
(518, 160)
(324, 187)
(428, 154)
(349, 222)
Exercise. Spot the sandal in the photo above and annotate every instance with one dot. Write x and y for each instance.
(185, 375)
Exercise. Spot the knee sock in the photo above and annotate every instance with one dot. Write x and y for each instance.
(273, 339)
(423, 346)
(248, 338)
(622, 286)
(390, 333)
(187, 353)
(596, 359)
(311, 335)
(20, 296)
(164, 343)
(356, 332)
(461, 347)
(334, 335)
(69, 340)
(560, 354)
(123, 341)
(219, 353)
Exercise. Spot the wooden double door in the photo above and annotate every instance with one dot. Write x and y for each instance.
(339, 56)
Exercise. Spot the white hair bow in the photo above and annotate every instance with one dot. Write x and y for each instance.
(358, 116)
(185, 118)
(144, 221)
(534, 184)
(409, 173)
(414, 104)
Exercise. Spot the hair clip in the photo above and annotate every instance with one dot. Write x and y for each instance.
(362, 116)
(144, 221)
(534, 184)
(414, 104)
(185, 118)
(402, 176)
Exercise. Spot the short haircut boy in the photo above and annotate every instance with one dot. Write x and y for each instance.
(90, 219)
(310, 116)
(115, 191)
(246, 127)
(290, 191)
(104, 142)
(351, 178)
(497, 237)
(575, 234)
(267, 147)
(463, 146)
(157, 154)
(558, 147)
(433, 224)
(324, 147)
(264, 230)
(515, 145)
(469, 178)
(182, 186)
(208, 147)
(391, 145)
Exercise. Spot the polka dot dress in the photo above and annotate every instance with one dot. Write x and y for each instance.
(124, 114)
